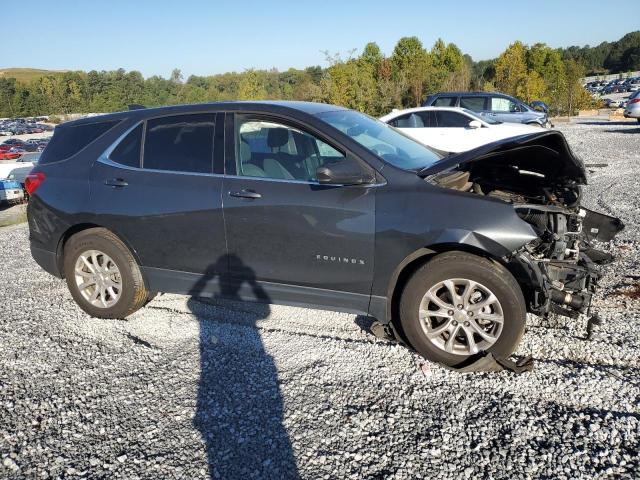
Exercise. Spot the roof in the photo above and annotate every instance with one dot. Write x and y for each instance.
(274, 106)
(397, 113)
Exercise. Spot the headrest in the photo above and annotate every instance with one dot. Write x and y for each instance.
(277, 137)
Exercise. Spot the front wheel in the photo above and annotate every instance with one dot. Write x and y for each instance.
(459, 305)
(102, 275)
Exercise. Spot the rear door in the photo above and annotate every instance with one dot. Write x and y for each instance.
(305, 242)
(157, 189)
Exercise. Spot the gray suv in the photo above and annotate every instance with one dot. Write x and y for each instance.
(496, 106)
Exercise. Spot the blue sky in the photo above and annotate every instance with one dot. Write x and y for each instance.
(206, 37)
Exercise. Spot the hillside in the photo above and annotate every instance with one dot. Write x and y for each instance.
(26, 74)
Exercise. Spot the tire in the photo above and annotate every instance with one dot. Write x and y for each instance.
(130, 290)
(483, 277)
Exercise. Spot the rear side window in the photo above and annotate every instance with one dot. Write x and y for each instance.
(128, 150)
(182, 143)
(67, 141)
(445, 102)
(410, 120)
(475, 104)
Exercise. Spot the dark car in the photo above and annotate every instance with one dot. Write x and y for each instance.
(497, 106)
(316, 205)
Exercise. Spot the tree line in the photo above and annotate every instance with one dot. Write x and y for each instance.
(370, 82)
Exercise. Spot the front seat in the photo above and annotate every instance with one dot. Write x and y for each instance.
(248, 169)
(276, 138)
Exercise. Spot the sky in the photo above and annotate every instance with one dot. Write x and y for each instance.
(203, 37)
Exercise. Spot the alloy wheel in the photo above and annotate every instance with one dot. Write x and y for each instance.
(461, 316)
(98, 278)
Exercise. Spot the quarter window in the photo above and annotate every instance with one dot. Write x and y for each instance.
(182, 143)
(273, 150)
(128, 150)
(69, 140)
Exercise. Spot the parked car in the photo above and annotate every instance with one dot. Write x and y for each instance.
(10, 155)
(13, 141)
(10, 191)
(613, 102)
(632, 108)
(316, 205)
(9, 170)
(494, 105)
(453, 129)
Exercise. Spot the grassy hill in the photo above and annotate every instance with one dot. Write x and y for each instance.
(26, 74)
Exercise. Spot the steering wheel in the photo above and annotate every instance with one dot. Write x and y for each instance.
(382, 149)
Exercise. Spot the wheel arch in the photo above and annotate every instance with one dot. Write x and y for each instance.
(414, 261)
(81, 227)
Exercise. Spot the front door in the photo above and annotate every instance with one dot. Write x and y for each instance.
(305, 242)
(158, 191)
(505, 110)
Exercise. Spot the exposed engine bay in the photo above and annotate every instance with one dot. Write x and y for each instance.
(542, 179)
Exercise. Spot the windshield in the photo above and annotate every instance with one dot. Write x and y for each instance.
(383, 140)
(486, 119)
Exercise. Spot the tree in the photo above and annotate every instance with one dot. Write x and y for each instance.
(411, 67)
(251, 87)
(176, 76)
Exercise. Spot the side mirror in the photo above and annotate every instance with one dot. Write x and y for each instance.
(475, 124)
(343, 172)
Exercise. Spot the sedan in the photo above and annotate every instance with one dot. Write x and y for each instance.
(453, 129)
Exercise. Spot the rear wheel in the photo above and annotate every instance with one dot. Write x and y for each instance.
(102, 275)
(459, 305)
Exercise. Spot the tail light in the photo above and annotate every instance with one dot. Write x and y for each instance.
(33, 181)
(635, 100)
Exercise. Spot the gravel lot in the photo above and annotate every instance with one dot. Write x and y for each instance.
(188, 389)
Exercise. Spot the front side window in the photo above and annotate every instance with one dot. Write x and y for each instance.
(446, 119)
(382, 140)
(499, 104)
(270, 149)
(180, 143)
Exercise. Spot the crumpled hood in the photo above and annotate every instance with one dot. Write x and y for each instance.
(546, 153)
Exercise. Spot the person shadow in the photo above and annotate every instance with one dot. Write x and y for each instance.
(240, 410)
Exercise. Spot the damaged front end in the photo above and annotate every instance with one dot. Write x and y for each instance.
(540, 176)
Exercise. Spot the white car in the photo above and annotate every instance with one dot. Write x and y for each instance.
(8, 166)
(453, 129)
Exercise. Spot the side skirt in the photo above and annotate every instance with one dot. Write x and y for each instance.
(233, 288)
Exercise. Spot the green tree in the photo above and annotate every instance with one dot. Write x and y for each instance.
(251, 87)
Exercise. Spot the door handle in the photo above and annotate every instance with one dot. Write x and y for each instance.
(245, 194)
(116, 182)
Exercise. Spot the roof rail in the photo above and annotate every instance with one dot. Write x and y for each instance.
(136, 106)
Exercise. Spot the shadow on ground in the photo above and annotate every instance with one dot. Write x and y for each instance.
(239, 407)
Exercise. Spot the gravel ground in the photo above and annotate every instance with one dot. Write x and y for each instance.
(188, 389)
